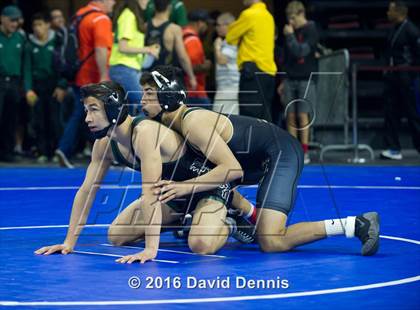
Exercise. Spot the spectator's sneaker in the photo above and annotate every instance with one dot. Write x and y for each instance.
(367, 230)
(87, 152)
(63, 160)
(241, 229)
(18, 150)
(391, 154)
(55, 159)
(306, 159)
(42, 159)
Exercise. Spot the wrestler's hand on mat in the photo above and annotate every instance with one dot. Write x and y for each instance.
(47, 250)
(168, 190)
(142, 257)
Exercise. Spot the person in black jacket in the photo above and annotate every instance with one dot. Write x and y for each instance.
(45, 89)
(11, 58)
(298, 90)
(403, 50)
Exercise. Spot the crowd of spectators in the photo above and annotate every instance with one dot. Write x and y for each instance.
(40, 111)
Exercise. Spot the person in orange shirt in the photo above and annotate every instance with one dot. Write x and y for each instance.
(95, 39)
(194, 46)
(95, 43)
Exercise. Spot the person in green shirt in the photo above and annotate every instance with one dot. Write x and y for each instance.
(11, 54)
(128, 49)
(44, 88)
(177, 16)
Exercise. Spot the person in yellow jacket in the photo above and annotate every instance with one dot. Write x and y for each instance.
(254, 33)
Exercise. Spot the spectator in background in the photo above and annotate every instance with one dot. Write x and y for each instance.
(253, 31)
(22, 121)
(403, 50)
(208, 45)
(11, 56)
(178, 12)
(58, 24)
(20, 27)
(57, 19)
(298, 91)
(128, 49)
(44, 90)
(95, 43)
(227, 74)
(168, 36)
(197, 27)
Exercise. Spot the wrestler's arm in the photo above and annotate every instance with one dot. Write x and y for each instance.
(147, 147)
(85, 196)
(199, 132)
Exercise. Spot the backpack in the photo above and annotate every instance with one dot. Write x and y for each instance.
(66, 58)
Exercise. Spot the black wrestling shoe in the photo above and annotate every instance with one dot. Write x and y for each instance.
(242, 229)
(367, 230)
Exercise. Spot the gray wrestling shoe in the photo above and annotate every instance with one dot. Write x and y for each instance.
(241, 229)
(367, 230)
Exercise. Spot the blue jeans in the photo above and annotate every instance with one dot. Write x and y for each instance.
(129, 79)
(68, 139)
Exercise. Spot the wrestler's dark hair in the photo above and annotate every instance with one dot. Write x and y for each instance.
(172, 73)
(100, 92)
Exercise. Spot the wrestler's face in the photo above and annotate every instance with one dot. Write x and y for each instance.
(96, 118)
(150, 102)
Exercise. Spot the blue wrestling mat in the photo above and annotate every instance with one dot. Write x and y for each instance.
(35, 206)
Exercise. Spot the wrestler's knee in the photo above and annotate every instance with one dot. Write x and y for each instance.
(115, 237)
(270, 243)
(201, 245)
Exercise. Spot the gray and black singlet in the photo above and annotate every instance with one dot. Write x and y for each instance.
(188, 166)
(269, 156)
